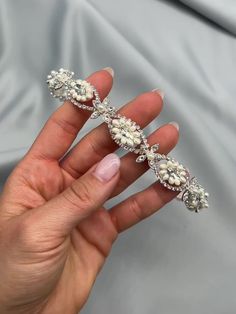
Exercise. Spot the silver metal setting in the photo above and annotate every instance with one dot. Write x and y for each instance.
(128, 135)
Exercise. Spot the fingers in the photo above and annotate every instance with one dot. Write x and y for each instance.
(85, 195)
(143, 109)
(140, 206)
(62, 127)
(167, 136)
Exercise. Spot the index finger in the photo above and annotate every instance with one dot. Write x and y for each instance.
(63, 125)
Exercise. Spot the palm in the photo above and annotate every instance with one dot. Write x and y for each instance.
(81, 254)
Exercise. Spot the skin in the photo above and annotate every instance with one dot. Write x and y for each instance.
(55, 233)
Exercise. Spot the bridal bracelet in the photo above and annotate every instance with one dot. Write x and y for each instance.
(128, 135)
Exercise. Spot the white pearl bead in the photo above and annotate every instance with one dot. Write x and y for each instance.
(162, 172)
(183, 173)
(165, 177)
(163, 166)
(136, 134)
(118, 136)
(177, 182)
(123, 140)
(169, 163)
(151, 156)
(115, 122)
(130, 142)
(137, 141)
(182, 179)
(171, 180)
(115, 130)
(83, 98)
(132, 128)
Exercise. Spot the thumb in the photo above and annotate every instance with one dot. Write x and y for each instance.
(79, 200)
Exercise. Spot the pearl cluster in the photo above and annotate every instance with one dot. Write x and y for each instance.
(125, 132)
(64, 87)
(173, 173)
(195, 197)
(57, 83)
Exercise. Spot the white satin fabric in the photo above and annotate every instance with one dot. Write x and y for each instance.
(175, 261)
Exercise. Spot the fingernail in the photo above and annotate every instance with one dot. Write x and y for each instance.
(175, 124)
(109, 70)
(107, 167)
(160, 92)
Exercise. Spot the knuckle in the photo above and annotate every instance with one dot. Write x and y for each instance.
(64, 124)
(79, 194)
(136, 209)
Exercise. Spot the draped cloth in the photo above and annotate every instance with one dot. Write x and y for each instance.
(175, 261)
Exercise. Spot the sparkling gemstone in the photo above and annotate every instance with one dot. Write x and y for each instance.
(195, 197)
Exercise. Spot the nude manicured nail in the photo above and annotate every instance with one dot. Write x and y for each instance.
(109, 70)
(107, 167)
(175, 124)
(160, 92)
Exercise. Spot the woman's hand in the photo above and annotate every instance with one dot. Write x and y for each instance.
(55, 233)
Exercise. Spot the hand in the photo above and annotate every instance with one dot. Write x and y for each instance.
(55, 233)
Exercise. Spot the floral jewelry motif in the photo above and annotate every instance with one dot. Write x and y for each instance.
(128, 135)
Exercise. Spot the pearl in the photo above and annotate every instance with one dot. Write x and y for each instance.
(83, 98)
(118, 136)
(169, 163)
(165, 177)
(183, 173)
(130, 142)
(162, 172)
(122, 120)
(171, 180)
(137, 141)
(136, 134)
(177, 182)
(115, 130)
(182, 179)
(163, 166)
(132, 128)
(150, 156)
(123, 140)
(115, 122)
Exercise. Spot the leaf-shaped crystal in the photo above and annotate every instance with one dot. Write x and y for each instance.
(155, 147)
(141, 158)
(95, 114)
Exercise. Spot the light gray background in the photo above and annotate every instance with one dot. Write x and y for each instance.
(176, 261)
